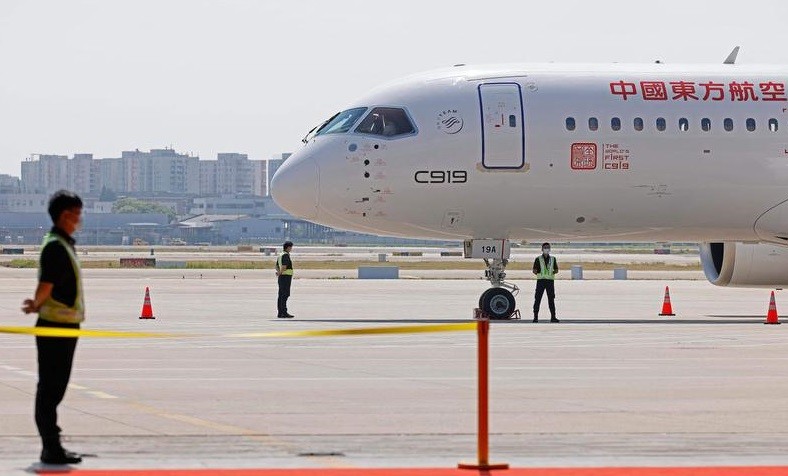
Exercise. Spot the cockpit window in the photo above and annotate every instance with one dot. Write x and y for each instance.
(386, 122)
(342, 122)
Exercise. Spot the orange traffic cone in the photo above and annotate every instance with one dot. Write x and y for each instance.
(667, 309)
(147, 309)
(771, 316)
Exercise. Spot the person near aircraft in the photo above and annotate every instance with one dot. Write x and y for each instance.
(545, 268)
(284, 273)
(59, 302)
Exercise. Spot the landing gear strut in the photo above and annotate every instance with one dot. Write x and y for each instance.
(497, 302)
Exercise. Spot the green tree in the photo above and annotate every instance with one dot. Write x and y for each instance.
(132, 205)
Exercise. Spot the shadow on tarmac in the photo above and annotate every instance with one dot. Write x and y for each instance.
(736, 316)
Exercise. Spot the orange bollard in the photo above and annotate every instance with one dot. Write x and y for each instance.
(147, 309)
(483, 331)
(667, 309)
(771, 316)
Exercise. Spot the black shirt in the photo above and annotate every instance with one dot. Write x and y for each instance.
(286, 261)
(538, 266)
(56, 268)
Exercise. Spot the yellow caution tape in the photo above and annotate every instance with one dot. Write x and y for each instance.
(63, 332)
(467, 326)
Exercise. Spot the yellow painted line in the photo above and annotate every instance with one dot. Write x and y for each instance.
(61, 332)
(264, 438)
(416, 329)
(253, 435)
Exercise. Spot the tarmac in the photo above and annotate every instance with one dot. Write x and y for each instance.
(612, 385)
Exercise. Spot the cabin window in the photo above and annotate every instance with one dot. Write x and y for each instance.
(570, 123)
(683, 124)
(513, 121)
(750, 124)
(638, 123)
(773, 126)
(593, 123)
(386, 122)
(341, 122)
(728, 124)
(705, 124)
(615, 124)
(661, 124)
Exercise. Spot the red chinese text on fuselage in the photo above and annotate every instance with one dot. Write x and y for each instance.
(699, 91)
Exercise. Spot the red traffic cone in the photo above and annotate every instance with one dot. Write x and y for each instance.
(667, 309)
(147, 309)
(771, 316)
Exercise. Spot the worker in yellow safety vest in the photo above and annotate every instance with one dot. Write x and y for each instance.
(545, 269)
(284, 273)
(59, 303)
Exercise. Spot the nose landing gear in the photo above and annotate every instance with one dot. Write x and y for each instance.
(498, 302)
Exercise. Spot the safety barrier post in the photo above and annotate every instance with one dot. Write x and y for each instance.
(483, 331)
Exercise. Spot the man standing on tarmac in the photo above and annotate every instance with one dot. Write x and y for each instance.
(59, 302)
(545, 269)
(284, 273)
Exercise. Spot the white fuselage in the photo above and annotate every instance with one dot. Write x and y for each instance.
(493, 155)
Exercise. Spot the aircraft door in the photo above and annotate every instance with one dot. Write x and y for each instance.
(503, 128)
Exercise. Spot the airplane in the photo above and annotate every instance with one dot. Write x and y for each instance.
(562, 153)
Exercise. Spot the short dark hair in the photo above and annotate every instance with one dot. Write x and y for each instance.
(61, 201)
(545, 244)
(288, 244)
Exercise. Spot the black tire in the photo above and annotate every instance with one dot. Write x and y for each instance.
(498, 303)
(483, 297)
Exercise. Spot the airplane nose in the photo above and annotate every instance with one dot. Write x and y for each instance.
(295, 187)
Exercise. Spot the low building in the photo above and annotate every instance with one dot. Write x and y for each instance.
(251, 230)
(100, 207)
(202, 228)
(97, 229)
(250, 205)
(24, 202)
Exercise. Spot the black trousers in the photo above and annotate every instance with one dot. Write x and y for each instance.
(55, 356)
(284, 293)
(543, 285)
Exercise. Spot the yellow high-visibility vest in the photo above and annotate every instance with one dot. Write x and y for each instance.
(546, 272)
(55, 311)
(289, 270)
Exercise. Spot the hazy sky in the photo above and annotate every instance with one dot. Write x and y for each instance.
(253, 76)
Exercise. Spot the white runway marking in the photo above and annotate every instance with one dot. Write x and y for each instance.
(99, 394)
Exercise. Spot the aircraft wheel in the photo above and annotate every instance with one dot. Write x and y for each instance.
(498, 303)
(483, 297)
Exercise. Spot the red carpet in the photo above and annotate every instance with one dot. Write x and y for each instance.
(686, 471)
